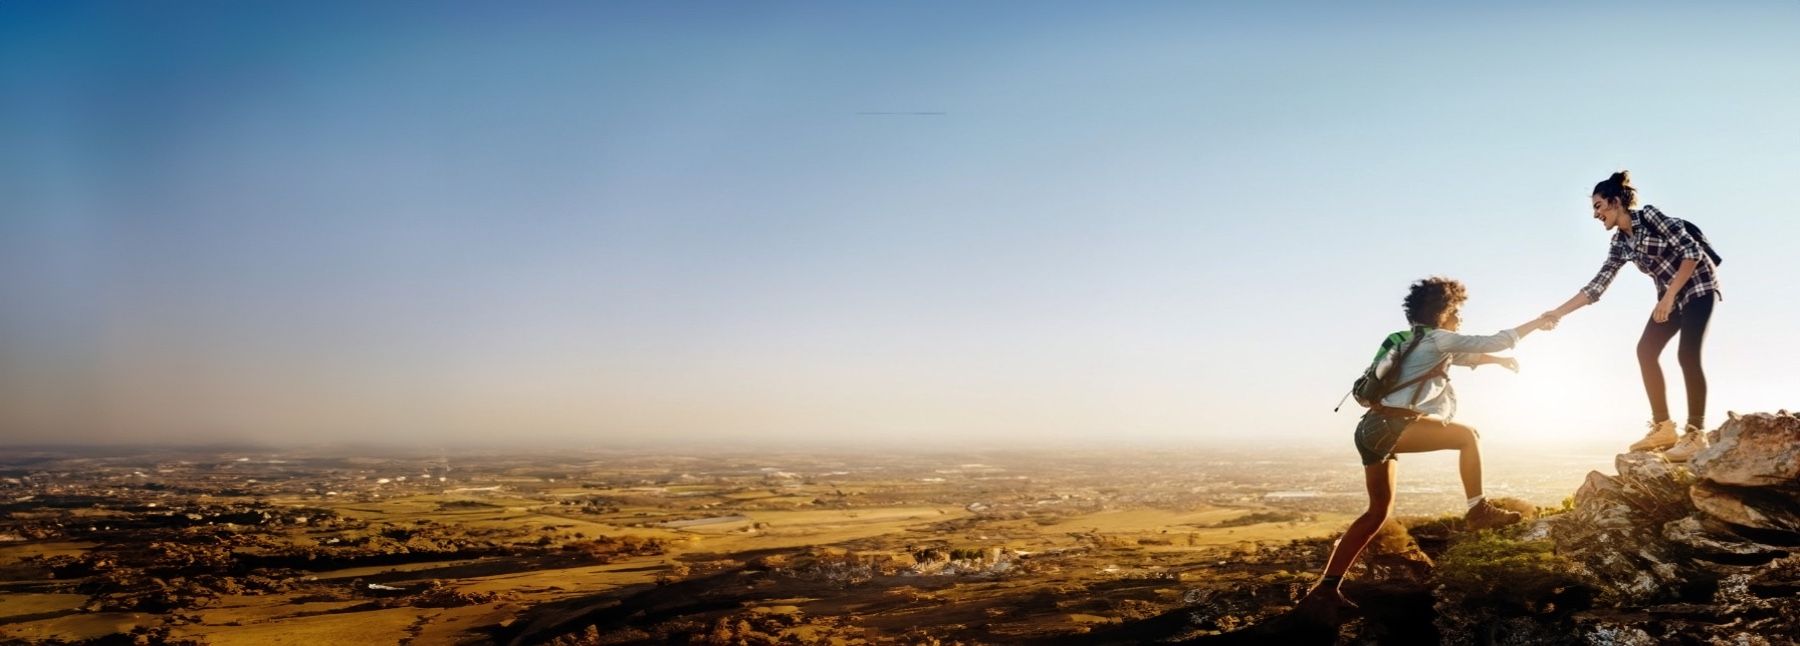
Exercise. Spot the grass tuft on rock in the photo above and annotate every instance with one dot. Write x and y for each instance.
(1498, 568)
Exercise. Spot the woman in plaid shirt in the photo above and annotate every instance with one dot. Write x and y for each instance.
(1687, 285)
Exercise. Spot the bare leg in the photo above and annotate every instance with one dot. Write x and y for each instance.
(1380, 480)
(1426, 434)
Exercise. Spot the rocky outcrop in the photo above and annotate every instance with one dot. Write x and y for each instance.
(1756, 450)
(1750, 476)
(1749, 480)
(1760, 509)
(1613, 531)
(1702, 552)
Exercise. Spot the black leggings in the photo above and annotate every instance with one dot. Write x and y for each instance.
(1690, 321)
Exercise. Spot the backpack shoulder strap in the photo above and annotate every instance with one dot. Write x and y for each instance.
(1388, 345)
(1439, 369)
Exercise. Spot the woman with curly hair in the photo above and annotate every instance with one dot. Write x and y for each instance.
(1415, 416)
(1679, 260)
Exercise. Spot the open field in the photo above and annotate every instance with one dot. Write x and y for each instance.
(306, 549)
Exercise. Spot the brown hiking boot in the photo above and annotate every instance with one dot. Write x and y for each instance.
(1485, 515)
(1661, 436)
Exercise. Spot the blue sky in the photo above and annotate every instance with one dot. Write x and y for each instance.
(599, 222)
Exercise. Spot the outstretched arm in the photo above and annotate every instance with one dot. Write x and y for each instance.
(1453, 343)
(1578, 301)
(1474, 360)
(1590, 293)
(1542, 322)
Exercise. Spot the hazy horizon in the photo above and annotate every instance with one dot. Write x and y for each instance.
(1329, 445)
(570, 224)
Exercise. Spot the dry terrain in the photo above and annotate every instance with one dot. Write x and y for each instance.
(242, 547)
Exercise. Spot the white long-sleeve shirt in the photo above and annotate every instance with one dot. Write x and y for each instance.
(1435, 395)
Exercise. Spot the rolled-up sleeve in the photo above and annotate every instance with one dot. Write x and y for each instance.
(1453, 343)
(1615, 258)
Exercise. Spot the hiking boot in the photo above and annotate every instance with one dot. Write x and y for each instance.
(1691, 444)
(1485, 515)
(1661, 436)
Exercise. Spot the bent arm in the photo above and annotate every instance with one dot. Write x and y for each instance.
(1472, 360)
(1682, 274)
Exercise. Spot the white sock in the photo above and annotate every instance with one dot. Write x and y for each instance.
(1476, 501)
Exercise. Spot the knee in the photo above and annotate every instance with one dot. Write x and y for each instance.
(1690, 360)
(1378, 512)
(1468, 436)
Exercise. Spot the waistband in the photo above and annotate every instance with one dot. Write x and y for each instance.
(1397, 413)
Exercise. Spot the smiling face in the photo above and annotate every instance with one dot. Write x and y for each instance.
(1610, 213)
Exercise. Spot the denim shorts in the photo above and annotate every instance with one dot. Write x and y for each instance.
(1377, 434)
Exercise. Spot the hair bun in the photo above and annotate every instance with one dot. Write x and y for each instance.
(1618, 188)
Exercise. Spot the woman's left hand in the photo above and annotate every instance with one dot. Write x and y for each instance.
(1661, 313)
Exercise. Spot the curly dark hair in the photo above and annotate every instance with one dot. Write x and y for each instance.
(1618, 188)
(1430, 298)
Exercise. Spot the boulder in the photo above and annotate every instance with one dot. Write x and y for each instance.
(1644, 466)
(1753, 507)
(1595, 484)
(1709, 539)
(1755, 450)
(1654, 486)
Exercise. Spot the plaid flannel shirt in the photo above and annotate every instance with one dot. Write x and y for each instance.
(1657, 245)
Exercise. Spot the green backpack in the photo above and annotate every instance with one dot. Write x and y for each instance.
(1375, 385)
